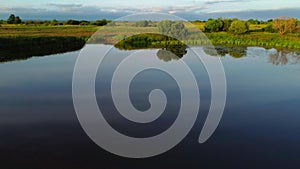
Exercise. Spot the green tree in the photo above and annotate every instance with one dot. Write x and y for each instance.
(54, 22)
(72, 22)
(214, 25)
(254, 21)
(226, 24)
(101, 22)
(143, 23)
(239, 27)
(84, 22)
(298, 22)
(174, 29)
(17, 20)
(178, 30)
(11, 19)
(164, 27)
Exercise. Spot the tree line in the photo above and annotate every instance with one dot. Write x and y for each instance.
(281, 25)
(12, 19)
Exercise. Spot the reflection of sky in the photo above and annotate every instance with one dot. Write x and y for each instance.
(261, 116)
(190, 9)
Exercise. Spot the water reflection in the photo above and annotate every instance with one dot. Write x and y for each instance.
(172, 52)
(235, 52)
(284, 57)
(169, 48)
(273, 56)
(12, 49)
(39, 125)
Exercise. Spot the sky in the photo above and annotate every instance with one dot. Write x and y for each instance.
(113, 9)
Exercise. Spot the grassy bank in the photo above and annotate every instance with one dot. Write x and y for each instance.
(113, 34)
(46, 31)
(262, 39)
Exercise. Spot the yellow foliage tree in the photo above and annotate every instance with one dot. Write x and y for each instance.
(285, 24)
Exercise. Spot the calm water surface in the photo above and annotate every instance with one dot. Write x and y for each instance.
(260, 127)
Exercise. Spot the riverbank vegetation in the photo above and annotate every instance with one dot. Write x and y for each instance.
(281, 33)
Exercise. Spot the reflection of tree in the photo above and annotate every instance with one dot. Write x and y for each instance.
(296, 57)
(19, 49)
(238, 52)
(281, 57)
(278, 58)
(171, 52)
(235, 52)
(170, 48)
(284, 57)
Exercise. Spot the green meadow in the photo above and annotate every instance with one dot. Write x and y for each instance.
(255, 36)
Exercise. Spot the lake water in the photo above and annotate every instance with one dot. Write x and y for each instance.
(260, 127)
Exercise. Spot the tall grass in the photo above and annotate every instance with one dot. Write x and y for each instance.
(269, 40)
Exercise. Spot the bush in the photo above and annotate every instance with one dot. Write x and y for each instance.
(239, 27)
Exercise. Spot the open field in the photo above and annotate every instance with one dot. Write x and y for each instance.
(45, 31)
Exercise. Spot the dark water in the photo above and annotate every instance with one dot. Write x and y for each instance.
(260, 127)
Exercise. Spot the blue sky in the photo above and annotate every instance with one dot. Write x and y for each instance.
(112, 9)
